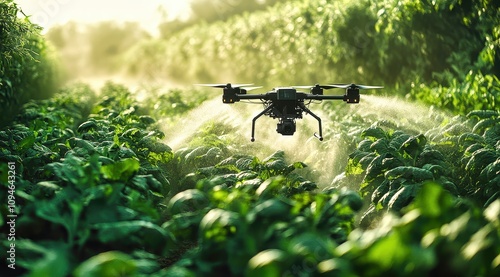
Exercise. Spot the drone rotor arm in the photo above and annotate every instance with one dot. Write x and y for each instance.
(253, 96)
(324, 97)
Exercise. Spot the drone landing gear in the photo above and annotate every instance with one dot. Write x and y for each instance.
(320, 136)
(257, 117)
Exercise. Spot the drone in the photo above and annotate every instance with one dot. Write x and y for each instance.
(287, 104)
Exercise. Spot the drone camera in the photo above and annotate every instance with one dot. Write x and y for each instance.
(352, 96)
(286, 127)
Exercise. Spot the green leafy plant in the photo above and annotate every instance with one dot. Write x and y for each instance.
(91, 186)
(27, 65)
(477, 92)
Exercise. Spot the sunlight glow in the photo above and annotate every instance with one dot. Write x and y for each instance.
(48, 13)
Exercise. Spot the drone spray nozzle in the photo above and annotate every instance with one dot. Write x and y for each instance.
(318, 136)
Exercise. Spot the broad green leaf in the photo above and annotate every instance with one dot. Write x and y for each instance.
(335, 267)
(468, 139)
(268, 263)
(144, 183)
(65, 209)
(87, 125)
(121, 170)
(219, 225)
(195, 153)
(364, 145)
(482, 114)
(479, 160)
(25, 143)
(76, 170)
(49, 185)
(270, 187)
(44, 259)
(277, 165)
(484, 124)
(147, 120)
(384, 200)
(188, 200)
(177, 271)
(375, 168)
(278, 155)
(432, 200)
(402, 197)
(134, 233)
(374, 133)
(269, 209)
(85, 144)
(351, 199)
(312, 246)
(246, 175)
(480, 242)
(409, 173)
(492, 211)
(397, 141)
(382, 189)
(387, 252)
(246, 163)
(380, 146)
(112, 263)
(414, 145)
(492, 135)
(431, 156)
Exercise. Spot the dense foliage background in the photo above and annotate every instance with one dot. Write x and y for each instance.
(28, 69)
(403, 185)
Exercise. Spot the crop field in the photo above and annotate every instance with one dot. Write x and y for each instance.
(153, 179)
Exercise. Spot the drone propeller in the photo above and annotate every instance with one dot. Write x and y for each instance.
(228, 85)
(354, 86)
(317, 86)
(249, 88)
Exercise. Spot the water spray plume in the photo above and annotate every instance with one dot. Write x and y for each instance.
(405, 114)
(326, 159)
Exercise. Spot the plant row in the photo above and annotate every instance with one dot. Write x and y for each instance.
(462, 155)
(98, 193)
(89, 179)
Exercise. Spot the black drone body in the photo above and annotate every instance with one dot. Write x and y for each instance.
(287, 104)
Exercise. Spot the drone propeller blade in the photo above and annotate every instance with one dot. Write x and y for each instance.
(341, 85)
(315, 86)
(249, 88)
(240, 85)
(224, 85)
(354, 86)
(212, 85)
(328, 86)
(368, 87)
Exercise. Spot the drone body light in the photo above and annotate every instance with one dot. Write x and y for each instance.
(287, 104)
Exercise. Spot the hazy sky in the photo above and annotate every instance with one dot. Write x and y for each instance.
(47, 13)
